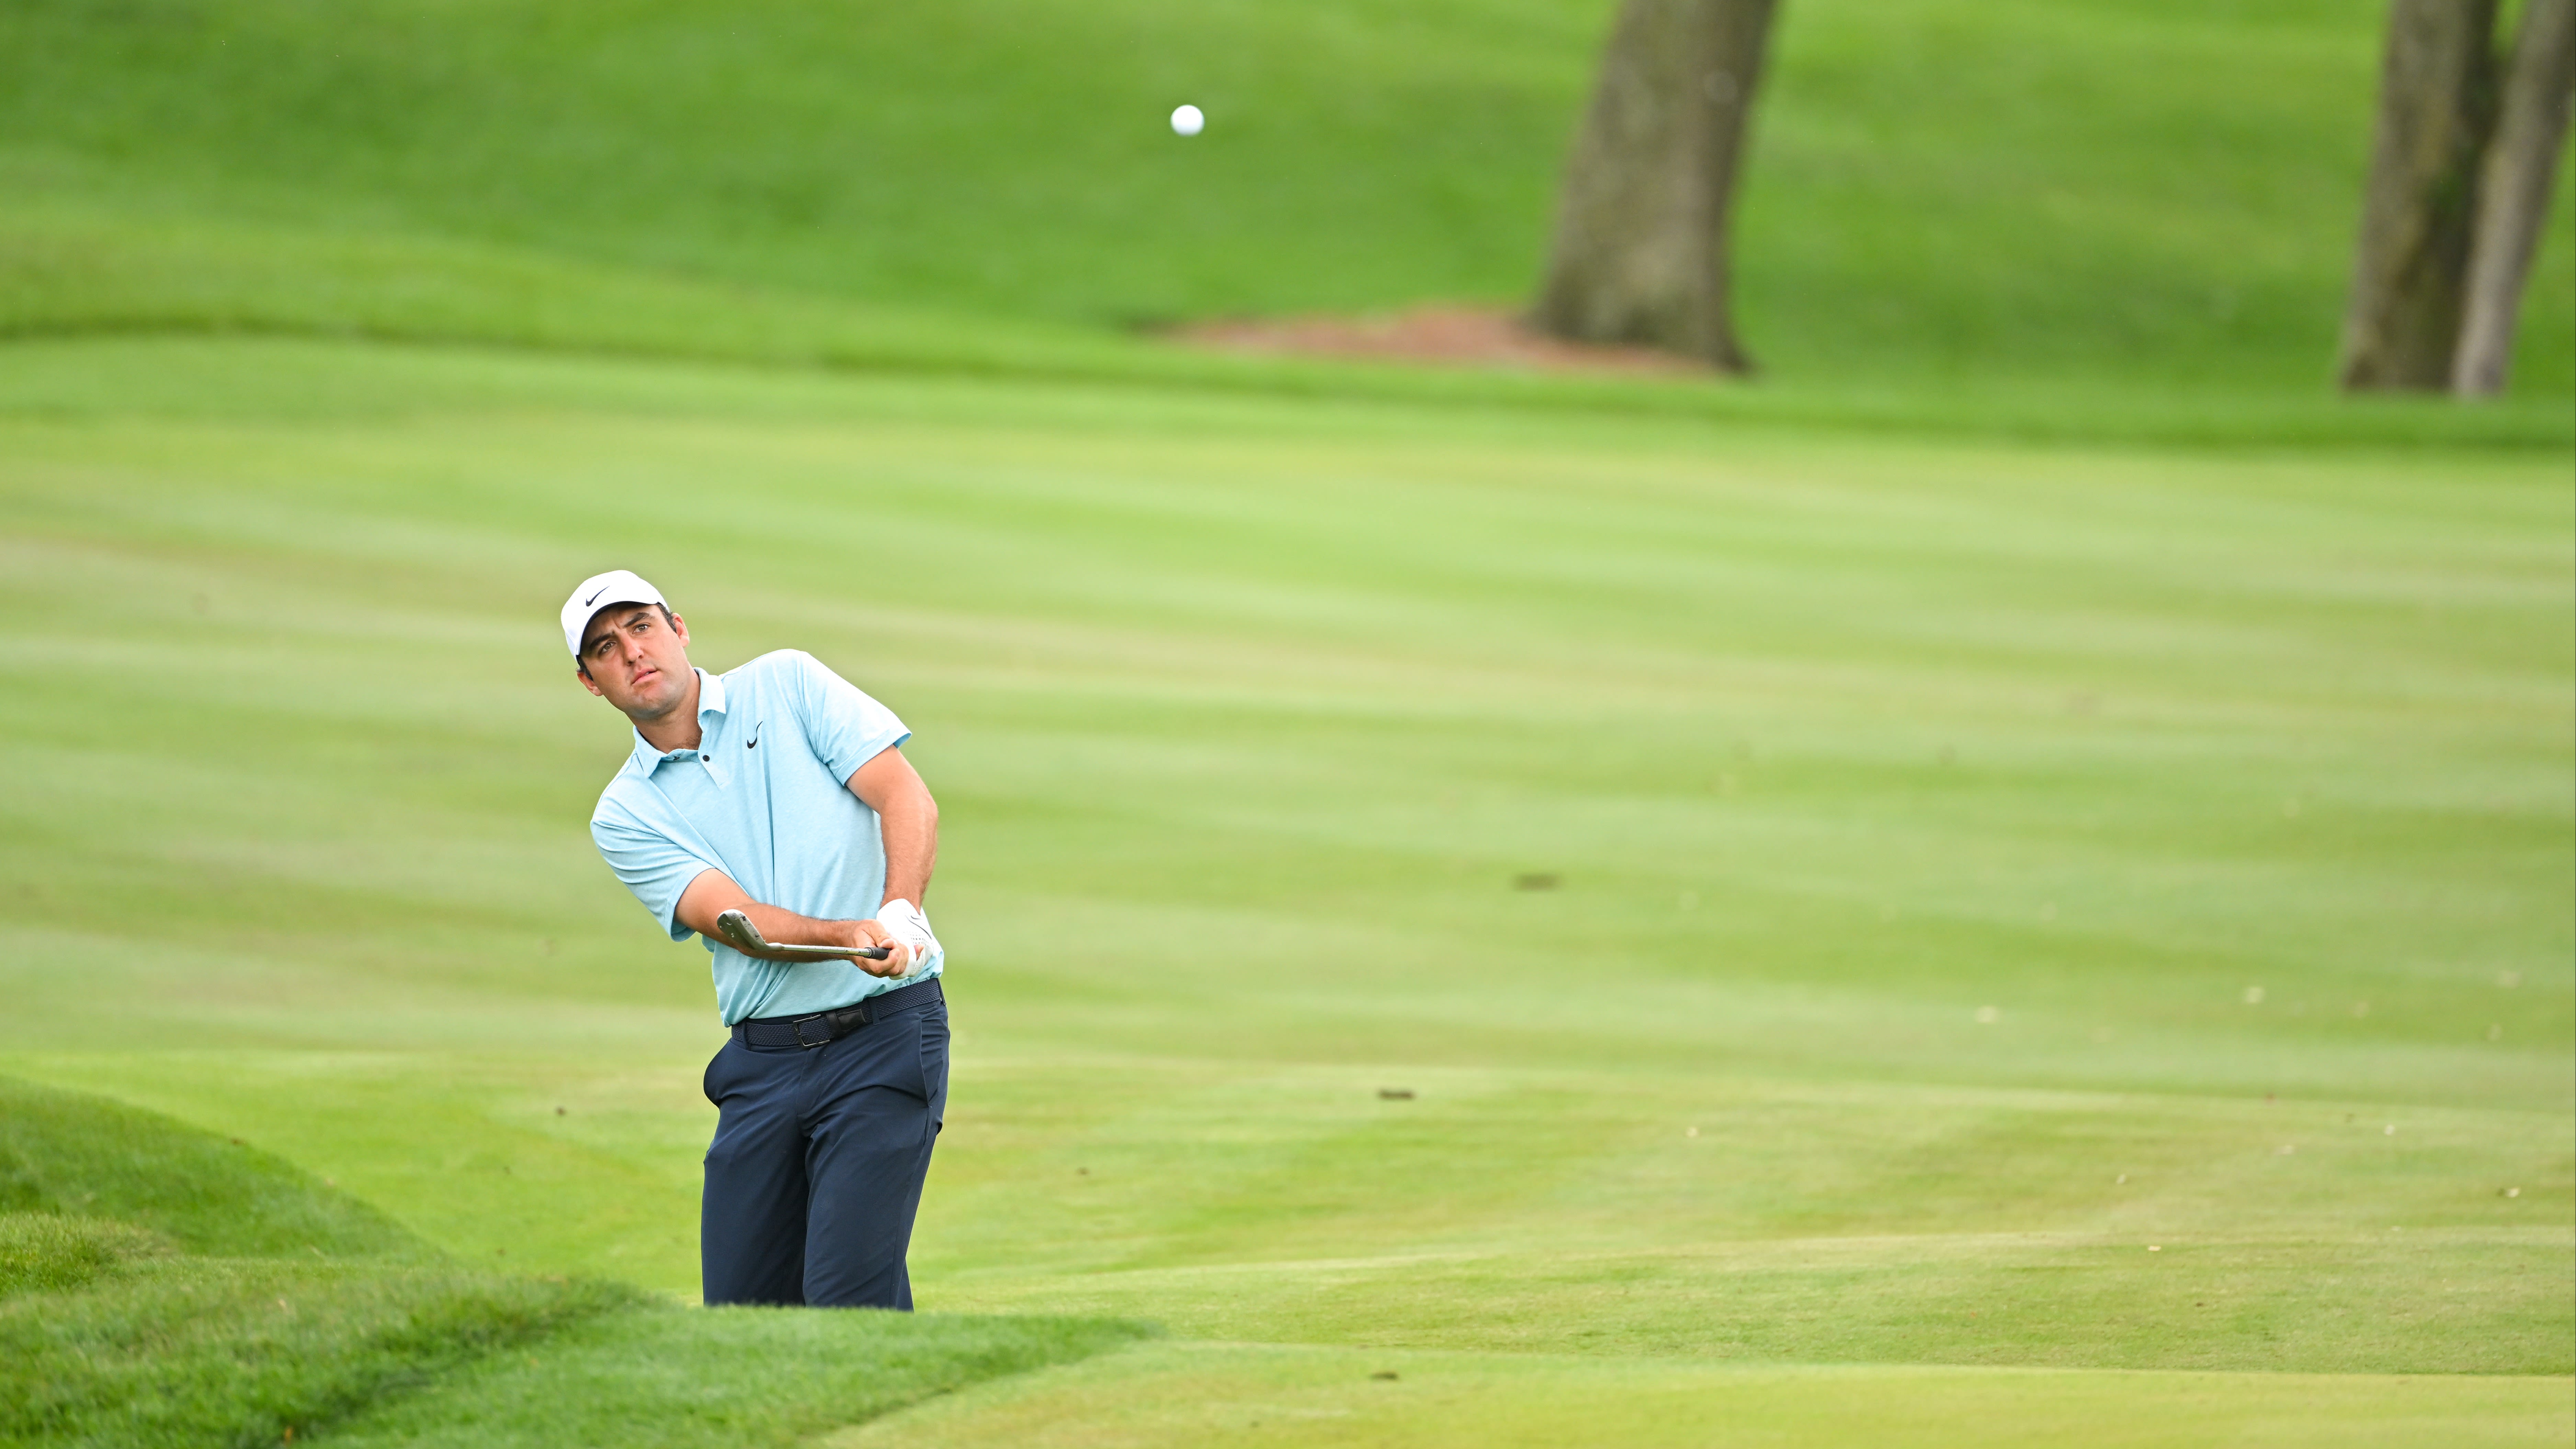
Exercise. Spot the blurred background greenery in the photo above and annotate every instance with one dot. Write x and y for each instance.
(2153, 195)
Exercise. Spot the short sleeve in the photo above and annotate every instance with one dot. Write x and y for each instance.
(654, 866)
(845, 727)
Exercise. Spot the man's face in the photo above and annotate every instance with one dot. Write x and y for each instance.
(637, 660)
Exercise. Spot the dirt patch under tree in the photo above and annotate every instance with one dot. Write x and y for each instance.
(1454, 336)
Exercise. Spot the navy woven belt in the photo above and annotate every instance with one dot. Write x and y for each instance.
(826, 1027)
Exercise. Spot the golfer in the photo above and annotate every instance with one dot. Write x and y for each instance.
(780, 791)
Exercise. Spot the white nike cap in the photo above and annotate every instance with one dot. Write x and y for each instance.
(597, 592)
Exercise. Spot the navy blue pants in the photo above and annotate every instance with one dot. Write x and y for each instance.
(816, 1170)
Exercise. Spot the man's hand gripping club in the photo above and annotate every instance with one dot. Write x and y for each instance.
(895, 944)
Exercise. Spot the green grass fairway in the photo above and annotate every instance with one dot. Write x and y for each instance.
(2010, 878)
(1199, 1396)
(1886, 939)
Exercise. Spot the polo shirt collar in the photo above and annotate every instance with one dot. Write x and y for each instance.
(711, 701)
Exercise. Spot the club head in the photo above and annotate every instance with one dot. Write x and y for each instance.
(739, 931)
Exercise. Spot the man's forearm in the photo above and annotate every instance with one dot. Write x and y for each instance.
(713, 893)
(911, 851)
(780, 926)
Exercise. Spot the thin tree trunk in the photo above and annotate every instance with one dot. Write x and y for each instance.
(2513, 194)
(2436, 106)
(1641, 234)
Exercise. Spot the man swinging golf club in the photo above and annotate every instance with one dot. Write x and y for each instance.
(770, 811)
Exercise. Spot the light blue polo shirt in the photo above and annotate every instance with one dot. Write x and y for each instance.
(765, 798)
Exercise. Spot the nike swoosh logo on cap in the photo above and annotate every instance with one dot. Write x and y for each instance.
(602, 589)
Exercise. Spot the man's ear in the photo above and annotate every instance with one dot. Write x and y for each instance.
(582, 673)
(680, 626)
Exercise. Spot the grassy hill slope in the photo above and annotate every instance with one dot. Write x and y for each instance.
(66, 1154)
(165, 1286)
(2153, 196)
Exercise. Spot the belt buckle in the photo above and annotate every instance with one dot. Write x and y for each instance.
(798, 1028)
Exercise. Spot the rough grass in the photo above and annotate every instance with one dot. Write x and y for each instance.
(211, 1350)
(263, 1306)
(164, 1286)
(1944, 194)
(46, 1252)
(716, 1378)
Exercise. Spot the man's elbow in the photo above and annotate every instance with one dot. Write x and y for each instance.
(905, 805)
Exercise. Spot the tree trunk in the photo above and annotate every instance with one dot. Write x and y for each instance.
(1641, 233)
(2436, 106)
(2513, 193)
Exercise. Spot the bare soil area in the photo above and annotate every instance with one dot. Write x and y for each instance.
(1451, 336)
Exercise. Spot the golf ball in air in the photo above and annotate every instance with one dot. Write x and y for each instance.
(1188, 121)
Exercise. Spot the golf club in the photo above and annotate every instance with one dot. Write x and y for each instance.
(739, 930)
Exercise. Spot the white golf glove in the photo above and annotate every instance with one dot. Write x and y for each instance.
(908, 926)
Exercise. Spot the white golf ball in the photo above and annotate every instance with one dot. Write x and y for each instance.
(1188, 121)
